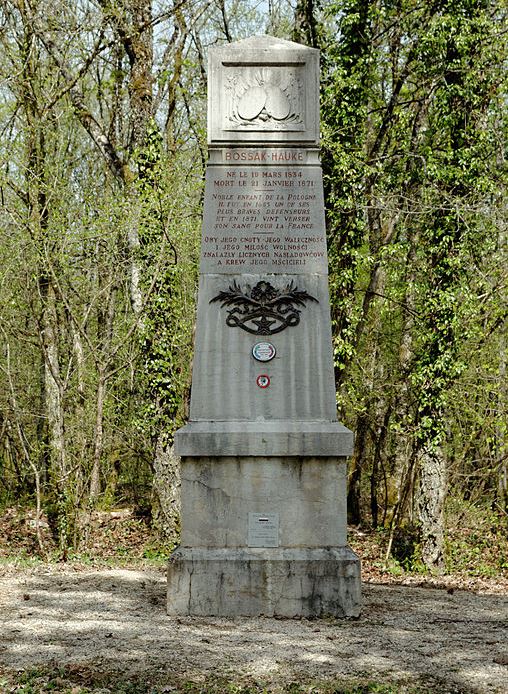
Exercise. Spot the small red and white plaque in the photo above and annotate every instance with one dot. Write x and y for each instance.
(263, 381)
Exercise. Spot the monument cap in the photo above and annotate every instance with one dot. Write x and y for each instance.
(263, 90)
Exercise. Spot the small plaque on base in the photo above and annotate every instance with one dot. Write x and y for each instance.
(263, 530)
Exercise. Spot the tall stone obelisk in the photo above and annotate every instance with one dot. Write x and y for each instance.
(263, 457)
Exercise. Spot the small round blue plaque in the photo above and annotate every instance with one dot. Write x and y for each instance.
(263, 351)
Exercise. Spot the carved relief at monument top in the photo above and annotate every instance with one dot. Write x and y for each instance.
(264, 90)
(267, 98)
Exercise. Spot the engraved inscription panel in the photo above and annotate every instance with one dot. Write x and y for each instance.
(265, 155)
(264, 219)
(263, 98)
(263, 530)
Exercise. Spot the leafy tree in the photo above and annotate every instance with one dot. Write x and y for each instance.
(411, 149)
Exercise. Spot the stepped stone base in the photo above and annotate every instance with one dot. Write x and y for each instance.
(286, 582)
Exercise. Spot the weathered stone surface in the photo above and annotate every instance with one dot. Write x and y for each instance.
(262, 156)
(218, 494)
(224, 371)
(264, 438)
(272, 582)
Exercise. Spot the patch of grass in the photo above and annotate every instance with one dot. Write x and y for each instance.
(159, 553)
(476, 546)
(21, 560)
(85, 679)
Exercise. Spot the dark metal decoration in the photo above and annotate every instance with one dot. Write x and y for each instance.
(263, 309)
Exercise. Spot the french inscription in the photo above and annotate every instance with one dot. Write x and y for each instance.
(264, 219)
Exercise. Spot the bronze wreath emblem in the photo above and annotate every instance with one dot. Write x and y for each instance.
(263, 309)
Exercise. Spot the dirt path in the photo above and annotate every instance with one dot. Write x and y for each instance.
(457, 641)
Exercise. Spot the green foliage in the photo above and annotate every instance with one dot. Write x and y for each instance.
(168, 236)
(413, 138)
(84, 680)
(101, 198)
(347, 75)
(460, 155)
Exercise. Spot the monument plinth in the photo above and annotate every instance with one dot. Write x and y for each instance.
(263, 457)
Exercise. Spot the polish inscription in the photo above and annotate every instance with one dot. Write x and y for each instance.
(264, 219)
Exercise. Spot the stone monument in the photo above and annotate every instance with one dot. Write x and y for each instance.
(263, 457)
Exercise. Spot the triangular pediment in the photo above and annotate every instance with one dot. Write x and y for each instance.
(266, 42)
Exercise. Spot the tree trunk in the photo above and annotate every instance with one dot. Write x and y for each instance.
(430, 508)
(377, 462)
(166, 487)
(95, 486)
(502, 479)
(53, 386)
(355, 477)
(105, 321)
(305, 23)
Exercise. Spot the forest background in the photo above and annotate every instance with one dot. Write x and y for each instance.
(102, 156)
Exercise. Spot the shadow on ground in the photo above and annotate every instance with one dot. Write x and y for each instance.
(115, 619)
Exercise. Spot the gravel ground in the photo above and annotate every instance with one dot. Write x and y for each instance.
(455, 640)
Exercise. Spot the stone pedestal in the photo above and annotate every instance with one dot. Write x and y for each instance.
(309, 571)
(263, 456)
(286, 582)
